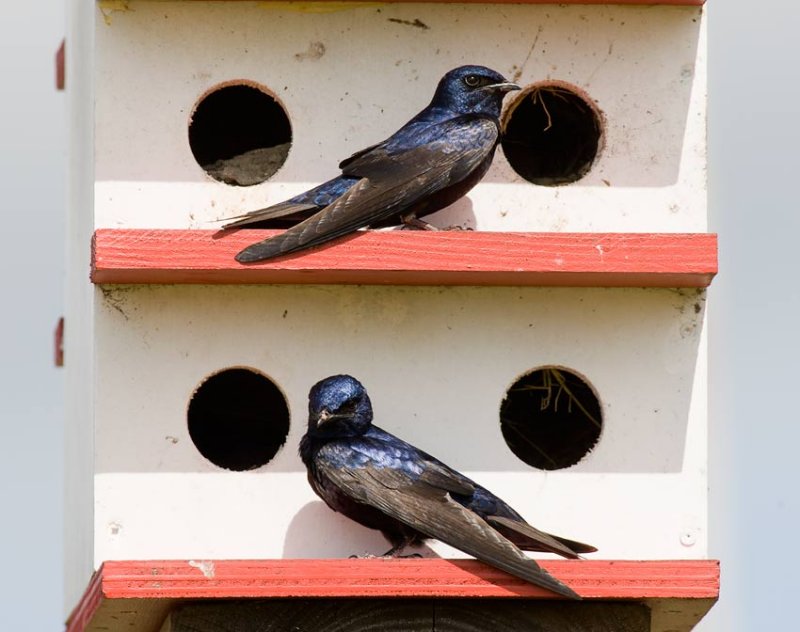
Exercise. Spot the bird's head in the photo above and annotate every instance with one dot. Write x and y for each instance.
(477, 89)
(338, 406)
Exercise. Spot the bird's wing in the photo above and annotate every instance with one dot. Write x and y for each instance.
(299, 207)
(347, 161)
(511, 524)
(427, 468)
(393, 180)
(453, 147)
(432, 511)
(442, 477)
(530, 538)
(284, 210)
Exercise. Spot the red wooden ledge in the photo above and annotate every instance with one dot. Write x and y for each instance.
(413, 258)
(170, 581)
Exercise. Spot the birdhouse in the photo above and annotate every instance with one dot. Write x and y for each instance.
(553, 348)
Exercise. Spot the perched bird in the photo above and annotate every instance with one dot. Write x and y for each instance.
(384, 483)
(426, 165)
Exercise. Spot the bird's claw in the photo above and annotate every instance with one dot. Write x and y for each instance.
(363, 556)
(415, 223)
(458, 227)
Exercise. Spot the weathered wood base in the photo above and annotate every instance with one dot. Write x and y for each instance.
(417, 615)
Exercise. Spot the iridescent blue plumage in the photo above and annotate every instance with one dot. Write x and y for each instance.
(385, 483)
(325, 193)
(426, 165)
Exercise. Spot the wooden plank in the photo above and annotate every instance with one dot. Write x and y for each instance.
(320, 615)
(376, 615)
(677, 615)
(542, 616)
(402, 578)
(413, 258)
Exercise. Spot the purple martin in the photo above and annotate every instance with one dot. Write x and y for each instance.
(429, 163)
(384, 483)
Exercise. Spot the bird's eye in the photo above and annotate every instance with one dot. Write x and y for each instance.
(348, 407)
(472, 80)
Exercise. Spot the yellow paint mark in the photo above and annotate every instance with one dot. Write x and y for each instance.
(318, 7)
(107, 7)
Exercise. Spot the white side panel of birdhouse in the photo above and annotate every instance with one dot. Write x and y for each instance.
(79, 310)
(349, 77)
(437, 362)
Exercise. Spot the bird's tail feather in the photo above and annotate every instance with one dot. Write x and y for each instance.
(524, 568)
(332, 222)
(291, 240)
(529, 538)
(283, 210)
(459, 530)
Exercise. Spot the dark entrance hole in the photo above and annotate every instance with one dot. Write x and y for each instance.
(550, 418)
(552, 133)
(238, 419)
(239, 134)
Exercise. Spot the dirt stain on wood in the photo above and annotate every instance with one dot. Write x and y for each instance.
(416, 23)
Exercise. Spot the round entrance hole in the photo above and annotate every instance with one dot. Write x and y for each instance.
(552, 133)
(238, 419)
(551, 418)
(240, 134)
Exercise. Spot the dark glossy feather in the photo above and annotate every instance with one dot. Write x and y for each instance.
(529, 538)
(382, 482)
(298, 208)
(433, 160)
(433, 512)
(290, 211)
(392, 184)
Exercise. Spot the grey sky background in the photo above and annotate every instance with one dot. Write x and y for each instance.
(32, 182)
(754, 310)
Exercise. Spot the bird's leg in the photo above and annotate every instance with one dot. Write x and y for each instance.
(395, 550)
(457, 227)
(412, 221)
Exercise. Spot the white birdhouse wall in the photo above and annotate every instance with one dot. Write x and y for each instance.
(350, 77)
(437, 361)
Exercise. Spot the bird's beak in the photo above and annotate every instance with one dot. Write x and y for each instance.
(324, 415)
(503, 86)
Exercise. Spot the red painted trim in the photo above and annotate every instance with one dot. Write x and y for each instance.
(81, 616)
(58, 343)
(60, 72)
(222, 579)
(412, 258)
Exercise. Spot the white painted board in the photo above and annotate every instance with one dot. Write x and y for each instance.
(644, 66)
(436, 362)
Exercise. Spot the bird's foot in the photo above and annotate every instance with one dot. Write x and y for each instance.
(363, 556)
(396, 550)
(458, 227)
(417, 224)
